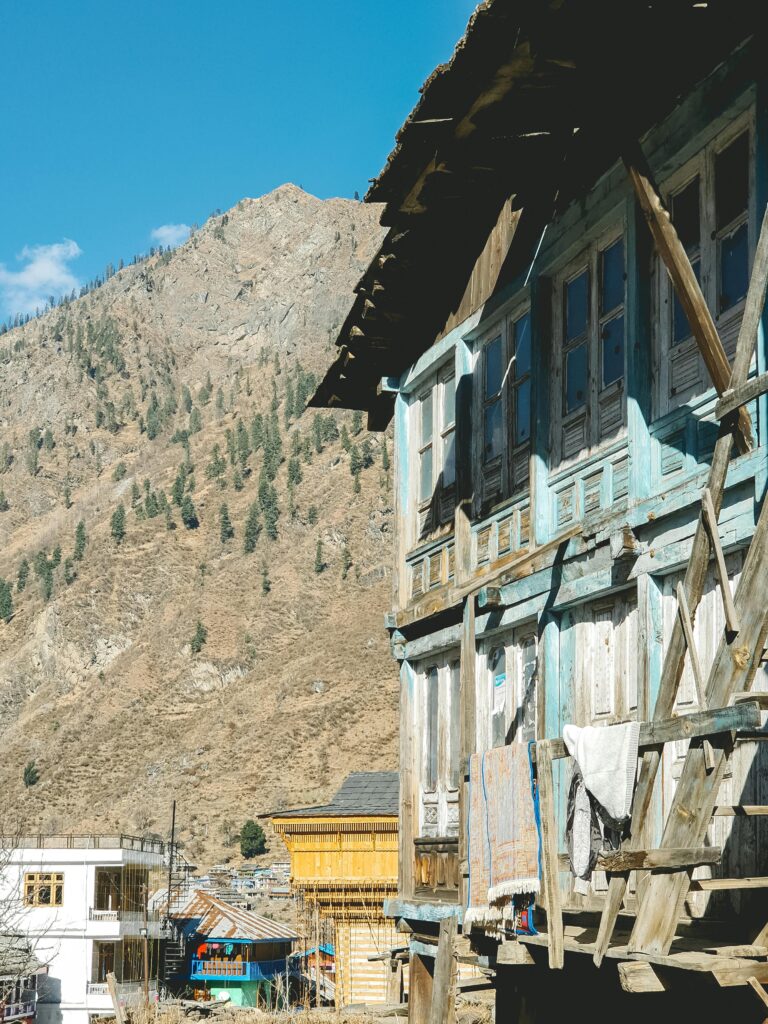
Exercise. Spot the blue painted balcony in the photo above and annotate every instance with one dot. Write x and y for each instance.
(236, 970)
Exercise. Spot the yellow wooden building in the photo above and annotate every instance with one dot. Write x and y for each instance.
(343, 867)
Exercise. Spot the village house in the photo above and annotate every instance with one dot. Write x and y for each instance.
(81, 904)
(343, 868)
(231, 952)
(565, 322)
(19, 973)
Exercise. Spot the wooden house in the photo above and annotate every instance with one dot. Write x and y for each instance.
(344, 858)
(566, 323)
(234, 953)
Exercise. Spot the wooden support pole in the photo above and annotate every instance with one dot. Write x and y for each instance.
(687, 288)
(746, 392)
(419, 990)
(758, 989)
(443, 1006)
(113, 995)
(550, 865)
(743, 715)
(710, 518)
(467, 736)
(685, 618)
(694, 585)
(733, 671)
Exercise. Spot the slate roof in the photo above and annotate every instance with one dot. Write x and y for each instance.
(214, 919)
(373, 793)
(17, 958)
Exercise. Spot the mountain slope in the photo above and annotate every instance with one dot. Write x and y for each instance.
(101, 402)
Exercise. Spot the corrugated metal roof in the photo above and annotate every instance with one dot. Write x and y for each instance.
(376, 793)
(214, 919)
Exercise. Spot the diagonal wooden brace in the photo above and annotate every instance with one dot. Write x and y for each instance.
(688, 289)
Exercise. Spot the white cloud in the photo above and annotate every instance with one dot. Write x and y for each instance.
(46, 272)
(171, 234)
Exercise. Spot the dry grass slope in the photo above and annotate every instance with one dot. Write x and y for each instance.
(98, 683)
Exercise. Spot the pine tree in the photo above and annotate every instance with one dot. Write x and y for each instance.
(252, 529)
(186, 400)
(294, 471)
(188, 513)
(48, 443)
(346, 562)
(237, 480)
(200, 639)
(384, 456)
(319, 563)
(23, 575)
(151, 506)
(119, 472)
(81, 540)
(257, 431)
(355, 460)
(70, 573)
(366, 454)
(346, 444)
(219, 402)
(56, 556)
(231, 446)
(135, 493)
(118, 524)
(269, 507)
(243, 444)
(154, 418)
(4, 505)
(266, 582)
(217, 466)
(195, 421)
(179, 485)
(357, 421)
(312, 515)
(227, 531)
(6, 601)
(31, 775)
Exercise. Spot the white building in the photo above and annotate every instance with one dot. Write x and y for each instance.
(82, 902)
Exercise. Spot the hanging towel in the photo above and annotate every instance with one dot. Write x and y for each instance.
(607, 759)
(504, 842)
(583, 832)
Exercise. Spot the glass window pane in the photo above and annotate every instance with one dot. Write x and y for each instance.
(425, 475)
(613, 350)
(681, 329)
(522, 336)
(576, 306)
(449, 402)
(686, 215)
(497, 664)
(426, 419)
(449, 459)
(493, 369)
(612, 277)
(430, 775)
(575, 378)
(732, 181)
(493, 431)
(523, 411)
(734, 267)
(454, 767)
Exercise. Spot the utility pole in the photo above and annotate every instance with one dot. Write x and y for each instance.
(317, 954)
(171, 847)
(145, 937)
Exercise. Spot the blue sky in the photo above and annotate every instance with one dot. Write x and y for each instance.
(122, 117)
